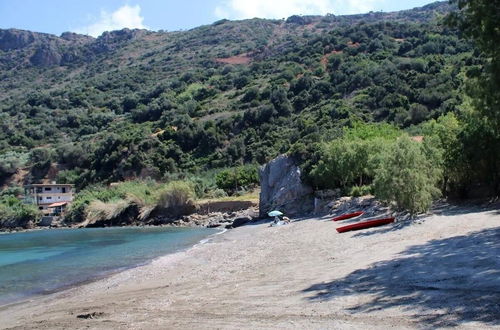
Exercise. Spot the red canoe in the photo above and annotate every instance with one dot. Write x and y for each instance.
(366, 224)
(347, 216)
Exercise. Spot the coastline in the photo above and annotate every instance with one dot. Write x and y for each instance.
(103, 275)
(224, 215)
(301, 275)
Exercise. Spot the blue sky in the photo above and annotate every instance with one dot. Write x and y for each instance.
(95, 16)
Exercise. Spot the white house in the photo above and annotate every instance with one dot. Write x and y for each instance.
(51, 198)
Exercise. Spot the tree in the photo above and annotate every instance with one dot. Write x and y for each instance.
(407, 177)
(280, 101)
(444, 133)
(478, 20)
(10, 162)
(239, 177)
(341, 163)
(40, 160)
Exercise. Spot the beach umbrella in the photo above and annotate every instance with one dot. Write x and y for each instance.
(275, 213)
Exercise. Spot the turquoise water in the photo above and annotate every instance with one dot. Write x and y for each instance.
(40, 262)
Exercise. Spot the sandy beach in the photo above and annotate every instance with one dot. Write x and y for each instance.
(443, 271)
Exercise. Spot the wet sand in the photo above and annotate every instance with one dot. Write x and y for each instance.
(442, 272)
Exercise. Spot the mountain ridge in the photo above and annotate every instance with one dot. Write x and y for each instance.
(140, 103)
(16, 39)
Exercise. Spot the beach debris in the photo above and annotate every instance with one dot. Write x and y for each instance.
(92, 315)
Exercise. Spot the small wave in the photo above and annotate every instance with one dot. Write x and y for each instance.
(209, 238)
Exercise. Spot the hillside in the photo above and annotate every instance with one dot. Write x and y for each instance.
(136, 103)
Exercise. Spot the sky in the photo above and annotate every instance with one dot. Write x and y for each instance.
(93, 17)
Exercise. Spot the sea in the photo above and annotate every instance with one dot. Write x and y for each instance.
(44, 261)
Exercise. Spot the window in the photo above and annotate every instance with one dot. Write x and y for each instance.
(49, 197)
(48, 189)
(63, 190)
(40, 207)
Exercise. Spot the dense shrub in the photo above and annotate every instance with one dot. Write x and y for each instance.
(40, 160)
(407, 177)
(234, 179)
(352, 160)
(175, 194)
(10, 162)
(14, 213)
(78, 210)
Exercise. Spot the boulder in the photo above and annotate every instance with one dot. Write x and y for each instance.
(282, 188)
(238, 222)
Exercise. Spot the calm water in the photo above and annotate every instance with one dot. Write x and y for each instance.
(43, 261)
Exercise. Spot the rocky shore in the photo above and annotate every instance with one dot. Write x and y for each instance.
(226, 220)
(216, 219)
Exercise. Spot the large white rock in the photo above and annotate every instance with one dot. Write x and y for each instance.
(282, 188)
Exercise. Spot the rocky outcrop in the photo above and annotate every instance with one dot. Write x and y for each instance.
(46, 55)
(76, 37)
(368, 204)
(211, 220)
(17, 223)
(15, 39)
(111, 40)
(282, 188)
(43, 50)
(299, 20)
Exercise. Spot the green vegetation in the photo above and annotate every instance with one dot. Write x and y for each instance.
(478, 20)
(353, 159)
(237, 178)
(140, 104)
(13, 213)
(407, 176)
(10, 161)
(382, 160)
(341, 94)
(130, 200)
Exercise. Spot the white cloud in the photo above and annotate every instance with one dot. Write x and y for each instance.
(124, 17)
(239, 9)
(360, 6)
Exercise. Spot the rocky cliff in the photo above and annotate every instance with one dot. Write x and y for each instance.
(26, 48)
(283, 189)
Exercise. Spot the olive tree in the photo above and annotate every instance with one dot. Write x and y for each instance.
(407, 177)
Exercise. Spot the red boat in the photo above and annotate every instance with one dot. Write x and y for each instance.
(366, 224)
(347, 216)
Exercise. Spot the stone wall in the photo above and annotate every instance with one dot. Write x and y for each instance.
(224, 206)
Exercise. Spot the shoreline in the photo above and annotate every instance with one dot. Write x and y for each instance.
(27, 230)
(105, 274)
(216, 219)
(301, 275)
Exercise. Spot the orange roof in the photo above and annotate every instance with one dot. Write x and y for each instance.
(57, 204)
(49, 185)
